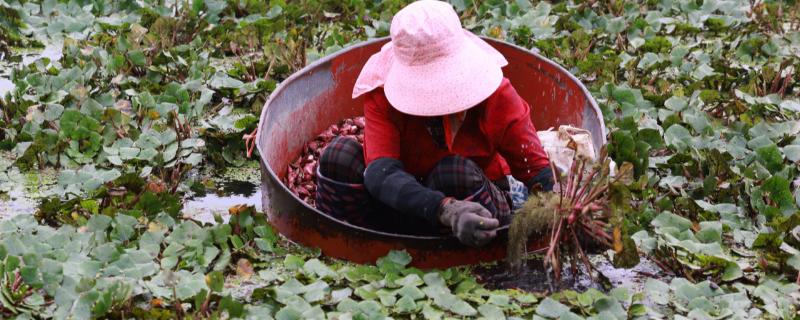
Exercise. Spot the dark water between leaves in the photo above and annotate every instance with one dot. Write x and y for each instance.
(534, 278)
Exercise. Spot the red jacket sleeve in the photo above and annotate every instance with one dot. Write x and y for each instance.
(385, 178)
(381, 137)
(513, 133)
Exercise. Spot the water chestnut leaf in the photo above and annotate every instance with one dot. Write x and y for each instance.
(678, 137)
(410, 280)
(411, 292)
(551, 309)
(293, 262)
(732, 272)
(406, 305)
(792, 153)
(316, 268)
(490, 311)
(137, 57)
(770, 157)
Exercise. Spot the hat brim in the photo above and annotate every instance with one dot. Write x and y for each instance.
(448, 85)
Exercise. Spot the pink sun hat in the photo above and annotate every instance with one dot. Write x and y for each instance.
(432, 66)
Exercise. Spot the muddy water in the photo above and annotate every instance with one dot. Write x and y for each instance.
(20, 191)
(199, 207)
(5, 87)
(236, 186)
(225, 189)
(534, 278)
(203, 207)
(16, 202)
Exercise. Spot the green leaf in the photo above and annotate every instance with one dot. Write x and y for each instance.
(387, 298)
(434, 279)
(394, 261)
(792, 152)
(340, 294)
(274, 12)
(315, 291)
(189, 285)
(222, 80)
(676, 103)
(609, 306)
(678, 137)
(443, 298)
(316, 268)
(778, 189)
(771, 158)
(551, 308)
(53, 112)
(431, 313)
(293, 262)
(288, 313)
(490, 311)
(98, 223)
(657, 291)
(236, 241)
(409, 280)
(137, 57)
(216, 280)
(667, 219)
(732, 272)
(411, 292)
(406, 304)
(234, 308)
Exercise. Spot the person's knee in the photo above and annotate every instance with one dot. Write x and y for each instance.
(343, 160)
(456, 176)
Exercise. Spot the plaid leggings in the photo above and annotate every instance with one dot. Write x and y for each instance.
(341, 192)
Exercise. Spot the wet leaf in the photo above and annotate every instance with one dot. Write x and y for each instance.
(678, 137)
(316, 268)
(551, 308)
(406, 305)
(491, 312)
(137, 57)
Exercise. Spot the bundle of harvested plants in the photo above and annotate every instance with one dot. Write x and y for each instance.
(300, 177)
(576, 214)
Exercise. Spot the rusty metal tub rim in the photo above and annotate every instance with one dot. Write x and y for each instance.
(383, 234)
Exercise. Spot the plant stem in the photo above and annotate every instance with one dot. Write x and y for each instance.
(578, 176)
(583, 256)
(587, 185)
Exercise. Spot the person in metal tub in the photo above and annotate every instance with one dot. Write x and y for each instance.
(444, 129)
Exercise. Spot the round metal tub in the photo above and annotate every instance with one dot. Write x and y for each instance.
(319, 95)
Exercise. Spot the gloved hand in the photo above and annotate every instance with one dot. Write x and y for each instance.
(543, 181)
(472, 224)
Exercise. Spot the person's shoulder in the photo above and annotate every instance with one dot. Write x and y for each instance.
(505, 99)
(504, 91)
(376, 98)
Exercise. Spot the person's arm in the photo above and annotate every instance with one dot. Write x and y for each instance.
(517, 139)
(385, 178)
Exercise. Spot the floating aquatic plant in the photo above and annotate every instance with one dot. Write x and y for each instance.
(578, 212)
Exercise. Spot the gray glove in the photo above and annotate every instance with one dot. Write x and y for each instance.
(472, 224)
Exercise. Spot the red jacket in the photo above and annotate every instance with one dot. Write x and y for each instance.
(497, 134)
